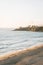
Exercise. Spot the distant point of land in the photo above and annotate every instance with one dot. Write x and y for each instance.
(30, 28)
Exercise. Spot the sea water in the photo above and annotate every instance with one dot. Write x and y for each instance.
(18, 40)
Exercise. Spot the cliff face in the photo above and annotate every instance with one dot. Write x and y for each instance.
(30, 28)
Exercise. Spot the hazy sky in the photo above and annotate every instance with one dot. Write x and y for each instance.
(15, 13)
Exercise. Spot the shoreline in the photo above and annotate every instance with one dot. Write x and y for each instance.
(17, 51)
(18, 57)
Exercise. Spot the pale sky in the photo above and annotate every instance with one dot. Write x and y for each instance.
(15, 13)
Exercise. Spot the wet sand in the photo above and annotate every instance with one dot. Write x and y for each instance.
(31, 56)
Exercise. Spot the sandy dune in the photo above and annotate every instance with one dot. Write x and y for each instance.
(32, 56)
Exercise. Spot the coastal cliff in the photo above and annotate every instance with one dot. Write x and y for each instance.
(30, 28)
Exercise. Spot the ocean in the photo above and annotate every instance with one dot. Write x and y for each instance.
(18, 40)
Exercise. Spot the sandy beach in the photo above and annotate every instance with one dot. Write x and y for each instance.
(31, 56)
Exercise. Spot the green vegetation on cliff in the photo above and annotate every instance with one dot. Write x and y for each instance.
(30, 28)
